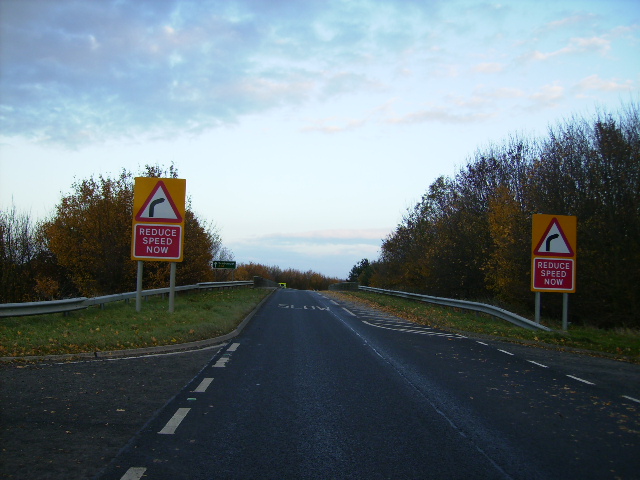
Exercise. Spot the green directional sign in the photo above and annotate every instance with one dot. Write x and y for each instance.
(224, 264)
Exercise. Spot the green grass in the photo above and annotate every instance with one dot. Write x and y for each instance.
(197, 316)
(620, 342)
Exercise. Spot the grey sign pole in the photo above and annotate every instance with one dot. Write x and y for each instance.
(172, 287)
(139, 286)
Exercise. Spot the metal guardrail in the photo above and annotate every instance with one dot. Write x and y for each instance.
(71, 304)
(474, 306)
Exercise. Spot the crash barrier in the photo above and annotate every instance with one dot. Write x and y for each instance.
(71, 304)
(260, 282)
(473, 306)
(344, 286)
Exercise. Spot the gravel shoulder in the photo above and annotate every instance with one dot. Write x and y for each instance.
(68, 420)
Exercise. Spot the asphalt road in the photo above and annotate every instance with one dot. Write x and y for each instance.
(317, 389)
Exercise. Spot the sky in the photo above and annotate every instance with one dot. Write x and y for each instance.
(304, 129)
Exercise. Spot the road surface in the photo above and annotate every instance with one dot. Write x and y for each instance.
(315, 388)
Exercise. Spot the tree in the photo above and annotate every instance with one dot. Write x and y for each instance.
(18, 250)
(470, 235)
(90, 235)
(361, 272)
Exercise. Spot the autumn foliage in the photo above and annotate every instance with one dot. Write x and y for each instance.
(297, 279)
(470, 235)
(85, 248)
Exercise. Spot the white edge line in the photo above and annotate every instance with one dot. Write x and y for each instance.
(174, 422)
(631, 398)
(134, 473)
(350, 313)
(334, 302)
(203, 385)
(538, 364)
(581, 380)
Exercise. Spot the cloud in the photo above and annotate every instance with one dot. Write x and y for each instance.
(490, 67)
(80, 72)
(566, 22)
(594, 82)
(320, 243)
(575, 46)
(333, 125)
(500, 93)
(548, 96)
(331, 252)
(439, 114)
(335, 234)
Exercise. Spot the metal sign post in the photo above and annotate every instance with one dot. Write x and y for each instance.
(139, 286)
(172, 287)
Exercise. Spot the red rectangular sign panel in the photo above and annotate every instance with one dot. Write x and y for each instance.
(554, 274)
(157, 241)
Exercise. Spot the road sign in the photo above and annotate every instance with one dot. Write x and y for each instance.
(553, 253)
(153, 241)
(224, 264)
(554, 242)
(158, 222)
(554, 274)
(159, 205)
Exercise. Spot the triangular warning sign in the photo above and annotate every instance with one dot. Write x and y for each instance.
(159, 206)
(554, 242)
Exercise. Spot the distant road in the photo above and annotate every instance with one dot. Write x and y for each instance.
(317, 389)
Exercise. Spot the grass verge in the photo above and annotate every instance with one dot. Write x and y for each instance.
(621, 343)
(197, 316)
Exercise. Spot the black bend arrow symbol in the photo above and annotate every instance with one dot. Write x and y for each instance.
(548, 243)
(161, 200)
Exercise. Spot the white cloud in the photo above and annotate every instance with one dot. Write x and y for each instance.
(489, 67)
(501, 93)
(575, 46)
(333, 252)
(548, 96)
(594, 82)
(333, 125)
(337, 234)
(439, 114)
(567, 22)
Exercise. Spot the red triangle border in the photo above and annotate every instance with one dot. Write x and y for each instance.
(162, 185)
(537, 251)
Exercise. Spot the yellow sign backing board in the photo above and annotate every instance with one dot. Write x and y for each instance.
(158, 219)
(553, 253)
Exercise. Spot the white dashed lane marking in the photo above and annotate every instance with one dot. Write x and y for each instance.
(203, 385)
(538, 364)
(221, 363)
(134, 473)
(174, 422)
(381, 320)
(581, 380)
